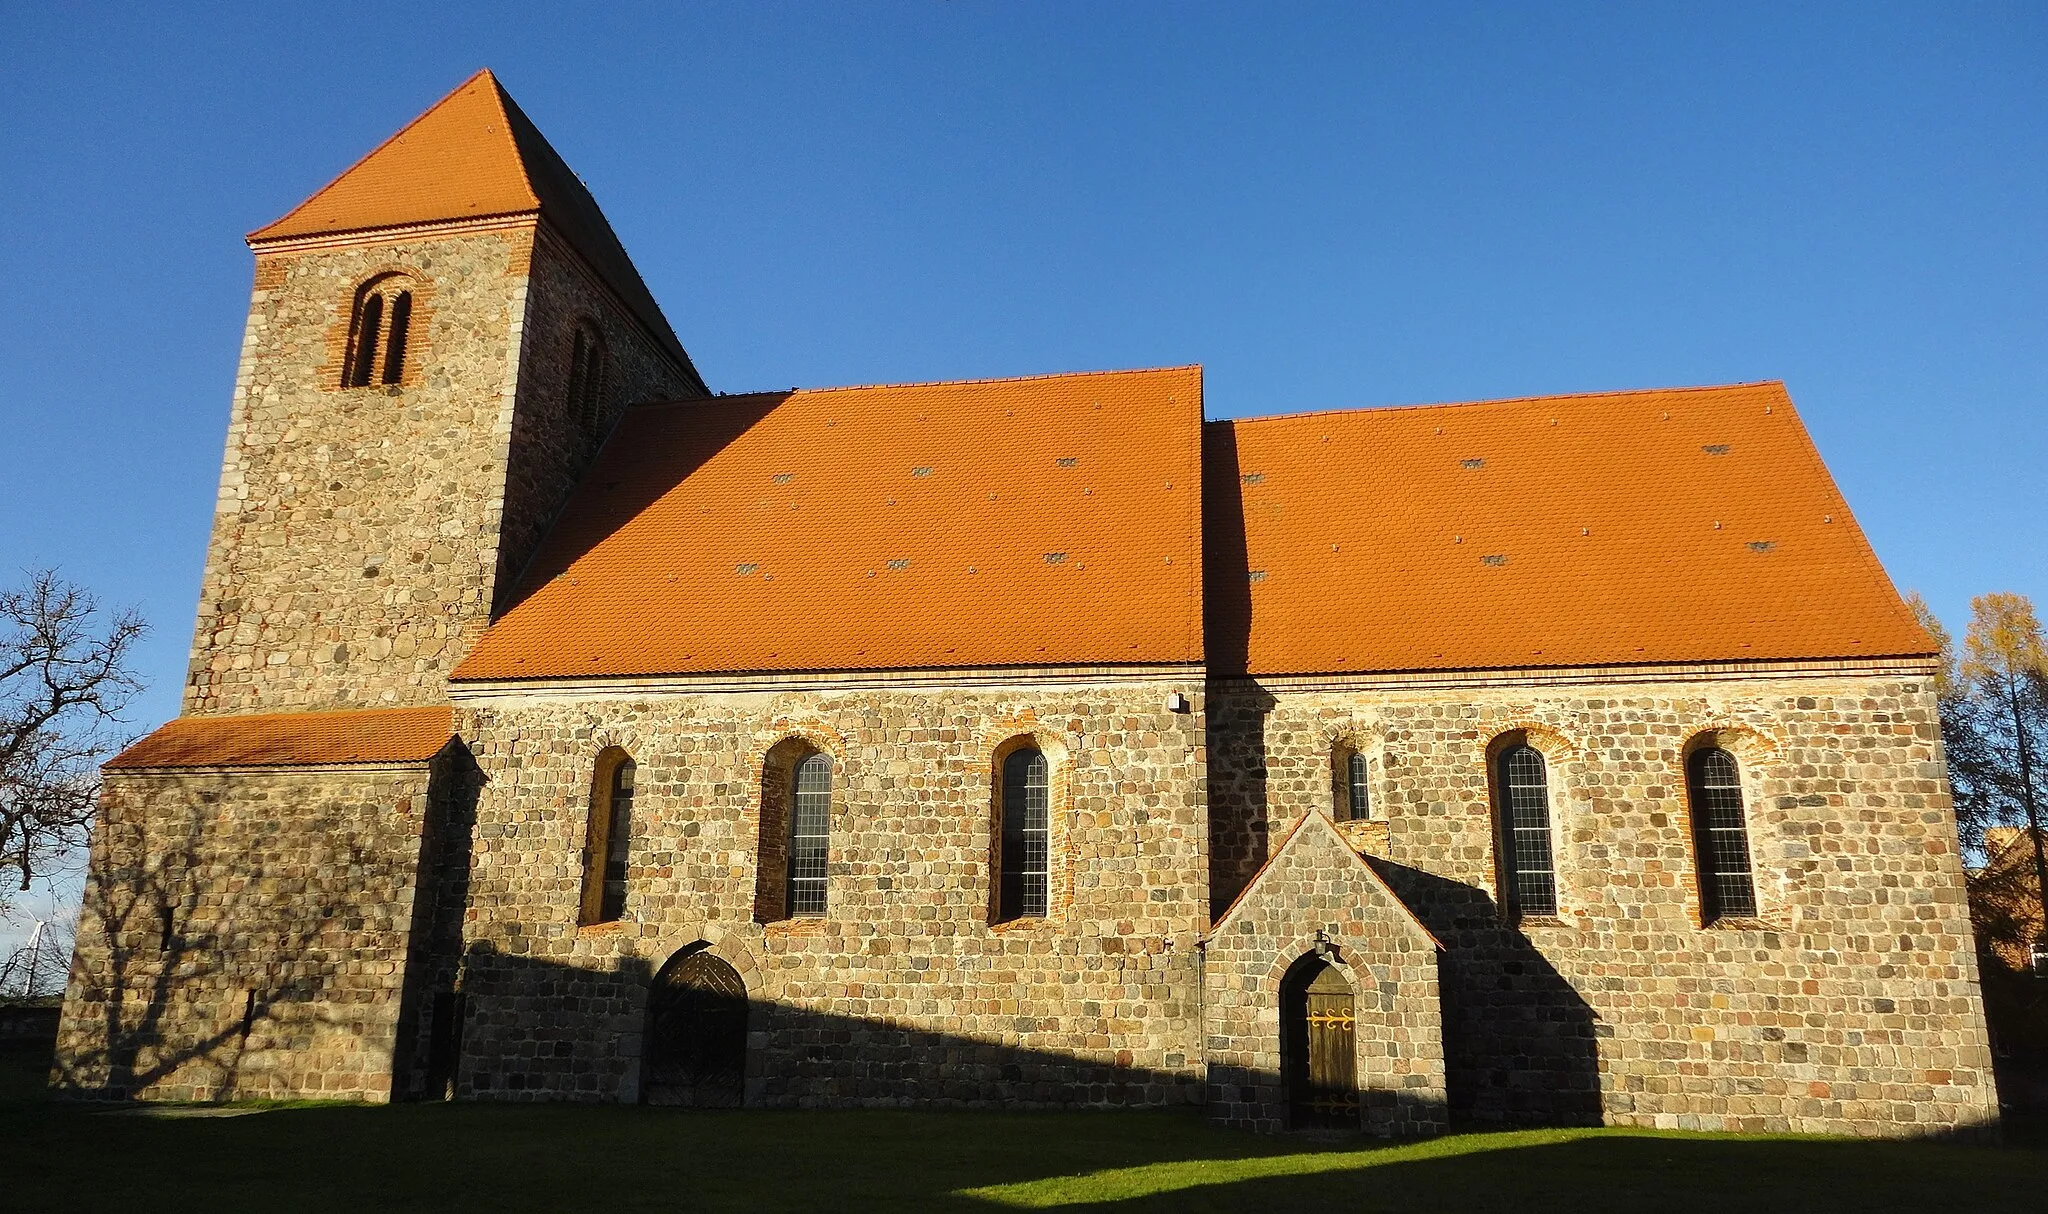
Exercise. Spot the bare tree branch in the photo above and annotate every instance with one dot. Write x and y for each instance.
(64, 681)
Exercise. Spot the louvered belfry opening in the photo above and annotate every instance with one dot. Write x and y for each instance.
(380, 333)
(585, 400)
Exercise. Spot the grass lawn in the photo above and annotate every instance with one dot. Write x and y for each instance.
(493, 1157)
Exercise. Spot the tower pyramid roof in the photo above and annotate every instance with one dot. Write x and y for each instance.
(474, 154)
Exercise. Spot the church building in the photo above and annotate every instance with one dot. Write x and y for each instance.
(559, 729)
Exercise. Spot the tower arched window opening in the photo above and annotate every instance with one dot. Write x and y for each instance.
(586, 377)
(394, 344)
(380, 333)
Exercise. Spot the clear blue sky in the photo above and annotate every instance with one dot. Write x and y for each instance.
(1325, 205)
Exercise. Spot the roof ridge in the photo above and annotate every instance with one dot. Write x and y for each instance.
(481, 73)
(505, 105)
(940, 383)
(1504, 400)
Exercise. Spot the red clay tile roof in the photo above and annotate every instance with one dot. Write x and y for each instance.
(1662, 526)
(1011, 522)
(298, 739)
(474, 154)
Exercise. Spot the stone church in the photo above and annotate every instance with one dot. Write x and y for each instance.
(559, 729)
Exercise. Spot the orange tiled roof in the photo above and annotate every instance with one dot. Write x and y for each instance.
(1015, 522)
(1661, 526)
(474, 154)
(297, 739)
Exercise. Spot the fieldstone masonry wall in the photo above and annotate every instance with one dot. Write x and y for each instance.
(1318, 884)
(354, 540)
(903, 992)
(1850, 1006)
(361, 535)
(245, 935)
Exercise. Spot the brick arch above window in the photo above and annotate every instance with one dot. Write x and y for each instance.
(1556, 745)
(381, 338)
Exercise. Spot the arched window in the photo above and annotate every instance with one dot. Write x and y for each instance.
(586, 377)
(379, 333)
(1357, 794)
(1522, 792)
(1023, 849)
(608, 841)
(1720, 835)
(810, 830)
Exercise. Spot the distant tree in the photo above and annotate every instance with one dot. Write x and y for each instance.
(64, 680)
(1994, 720)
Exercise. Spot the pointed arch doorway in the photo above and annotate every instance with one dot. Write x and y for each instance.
(696, 1045)
(1319, 1027)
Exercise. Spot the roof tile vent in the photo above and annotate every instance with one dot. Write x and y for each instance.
(1068, 461)
(1254, 478)
(900, 563)
(783, 478)
(1496, 560)
(1471, 465)
(1715, 448)
(921, 471)
(1054, 558)
(746, 569)
(1762, 545)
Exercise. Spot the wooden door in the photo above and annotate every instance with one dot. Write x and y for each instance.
(1323, 1081)
(696, 1048)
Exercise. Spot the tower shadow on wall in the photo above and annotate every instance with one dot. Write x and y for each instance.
(541, 1030)
(1520, 1044)
(429, 1011)
(621, 482)
(1237, 707)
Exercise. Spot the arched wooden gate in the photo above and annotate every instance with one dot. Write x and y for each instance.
(696, 1045)
(1319, 1043)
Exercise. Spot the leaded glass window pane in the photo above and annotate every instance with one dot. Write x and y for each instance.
(618, 843)
(1026, 809)
(1359, 802)
(1525, 805)
(810, 822)
(1721, 830)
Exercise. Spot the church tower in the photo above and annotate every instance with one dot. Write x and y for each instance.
(438, 341)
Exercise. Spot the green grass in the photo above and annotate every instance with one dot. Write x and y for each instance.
(497, 1157)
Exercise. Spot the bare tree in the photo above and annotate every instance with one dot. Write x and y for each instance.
(38, 968)
(64, 680)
